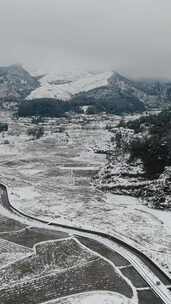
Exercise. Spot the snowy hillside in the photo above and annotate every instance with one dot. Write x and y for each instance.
(54, 86)
(64, 87)
(16, 82)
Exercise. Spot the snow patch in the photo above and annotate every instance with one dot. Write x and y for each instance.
(93, 298)
(51, 88)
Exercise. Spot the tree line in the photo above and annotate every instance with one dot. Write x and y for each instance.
(153, 143)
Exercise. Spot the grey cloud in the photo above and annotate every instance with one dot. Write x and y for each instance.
(132, 36)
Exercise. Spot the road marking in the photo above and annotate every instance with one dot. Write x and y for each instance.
(123, 267)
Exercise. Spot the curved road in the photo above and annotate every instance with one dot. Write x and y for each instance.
(156, 278)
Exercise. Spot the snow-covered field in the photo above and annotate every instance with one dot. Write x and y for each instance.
(64, 87)
(10, 252)
(52, 178)
(93, 298)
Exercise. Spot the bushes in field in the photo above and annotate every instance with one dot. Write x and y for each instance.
(3, 127)
(36, 132)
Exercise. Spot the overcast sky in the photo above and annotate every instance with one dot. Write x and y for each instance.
(131, 36)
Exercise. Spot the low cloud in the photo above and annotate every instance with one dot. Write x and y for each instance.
(130, 36)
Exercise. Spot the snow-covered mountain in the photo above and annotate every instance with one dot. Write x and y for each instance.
(125, 85)
(159, 88)
(16, 82)
(65, 87)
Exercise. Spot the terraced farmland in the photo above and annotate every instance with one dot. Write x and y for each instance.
(57, 269)
(10, 252)
(114, 257)
(30, 236)
(147, 296)
(144, 293)
(7, 224)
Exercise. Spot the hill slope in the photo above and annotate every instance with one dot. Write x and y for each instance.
(15, 83)
(151, 92)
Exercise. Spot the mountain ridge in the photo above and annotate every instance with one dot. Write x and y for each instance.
(15, 83)
(18, 84)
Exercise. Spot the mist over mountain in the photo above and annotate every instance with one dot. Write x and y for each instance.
(130, 36)
(106, 91)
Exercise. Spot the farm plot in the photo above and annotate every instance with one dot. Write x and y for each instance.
(147, 296)
(10, 252)
(134, 277)
(7, 224)
(96, 275)
(30, 236)
(113, 256)
(48, 257)
(58, 269)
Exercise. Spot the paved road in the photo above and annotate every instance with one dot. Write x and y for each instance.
(150, 272)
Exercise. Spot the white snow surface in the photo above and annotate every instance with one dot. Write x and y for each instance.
(100, 297)
(47, 178)
(72, 84)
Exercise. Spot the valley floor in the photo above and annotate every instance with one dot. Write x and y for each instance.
(52, 178)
